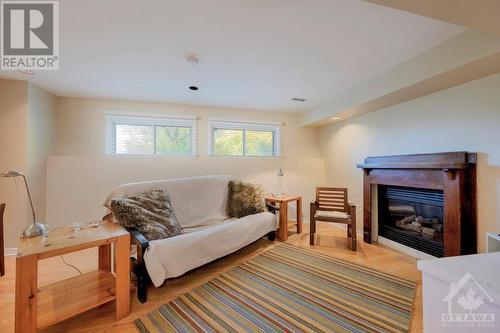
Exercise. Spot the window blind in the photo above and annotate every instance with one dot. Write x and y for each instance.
(230, 138)
(150, 135)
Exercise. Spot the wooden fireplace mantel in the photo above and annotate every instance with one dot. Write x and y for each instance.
(436, 161)
(454, 173)
(442, 166)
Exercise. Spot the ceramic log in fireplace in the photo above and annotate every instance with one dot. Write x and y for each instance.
(425, 201)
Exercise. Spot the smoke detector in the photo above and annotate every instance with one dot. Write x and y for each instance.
(192, 60)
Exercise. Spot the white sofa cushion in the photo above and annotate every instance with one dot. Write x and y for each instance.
(197, 201)
(172, 257)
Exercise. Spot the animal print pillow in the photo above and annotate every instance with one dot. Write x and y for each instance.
(245, 199)
(148, 212)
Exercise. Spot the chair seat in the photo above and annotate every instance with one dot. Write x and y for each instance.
(335, 214)
(332, 216)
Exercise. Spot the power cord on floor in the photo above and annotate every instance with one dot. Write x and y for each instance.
(64, 261)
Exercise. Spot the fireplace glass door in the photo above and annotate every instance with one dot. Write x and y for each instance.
(412, 217)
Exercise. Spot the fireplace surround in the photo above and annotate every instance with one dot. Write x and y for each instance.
(425, 201)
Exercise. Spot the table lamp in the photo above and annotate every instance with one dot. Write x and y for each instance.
(31, 230)
(279, 188)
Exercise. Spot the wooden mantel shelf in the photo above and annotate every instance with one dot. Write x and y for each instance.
(432, 166)
(436, 161)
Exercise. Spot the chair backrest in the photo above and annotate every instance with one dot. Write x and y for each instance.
(332, 199)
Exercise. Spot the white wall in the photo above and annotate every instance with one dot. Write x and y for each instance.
(466, 117)
(41, 143)
(13, 156)
(81, 176)
(27, 138)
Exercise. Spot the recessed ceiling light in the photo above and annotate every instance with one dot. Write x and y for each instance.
(335, 118)
(193, 88)
(297, 99)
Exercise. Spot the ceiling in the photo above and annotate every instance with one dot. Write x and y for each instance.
(254, 54)
(462, 12)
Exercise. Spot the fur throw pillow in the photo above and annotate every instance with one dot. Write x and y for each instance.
(148, 212)
(245, 199)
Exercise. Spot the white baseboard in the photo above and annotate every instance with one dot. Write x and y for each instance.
(10, 251)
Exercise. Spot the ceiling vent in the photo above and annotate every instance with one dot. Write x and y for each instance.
(297, 99)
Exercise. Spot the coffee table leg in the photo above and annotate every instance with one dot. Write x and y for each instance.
(299, 215)
(26, 294)
(122, 264)
(283, 232)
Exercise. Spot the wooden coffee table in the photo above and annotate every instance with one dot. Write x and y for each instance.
(283, 205)
(39, 307)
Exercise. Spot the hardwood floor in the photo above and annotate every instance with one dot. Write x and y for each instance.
(331, 241)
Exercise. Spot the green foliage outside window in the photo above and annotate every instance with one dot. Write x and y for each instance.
(134, 139)
(140, 139)
(173, 140)
(259, 143)
(228, 142)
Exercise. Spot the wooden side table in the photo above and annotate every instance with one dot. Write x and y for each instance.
(37, 308)
(283, 205)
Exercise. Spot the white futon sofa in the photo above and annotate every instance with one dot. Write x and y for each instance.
(199, 204)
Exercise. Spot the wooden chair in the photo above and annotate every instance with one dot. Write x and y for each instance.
(332, 205)
(2, 254)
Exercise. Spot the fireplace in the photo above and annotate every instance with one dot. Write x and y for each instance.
(412, 217)
(425, 201)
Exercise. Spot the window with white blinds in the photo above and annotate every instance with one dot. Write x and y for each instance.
(229, 138)
(150, 135)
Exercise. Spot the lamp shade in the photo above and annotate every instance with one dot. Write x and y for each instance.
(11, 174)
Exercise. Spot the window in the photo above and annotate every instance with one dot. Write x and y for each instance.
(245, 139)
(146, 135)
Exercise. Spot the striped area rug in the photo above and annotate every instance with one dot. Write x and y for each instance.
(290, 289)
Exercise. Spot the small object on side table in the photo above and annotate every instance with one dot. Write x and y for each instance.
(283, 213)
(279, 188)
(39, 307)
